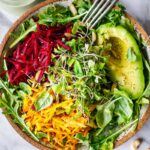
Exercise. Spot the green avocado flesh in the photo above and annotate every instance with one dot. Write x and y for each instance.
(125, 68)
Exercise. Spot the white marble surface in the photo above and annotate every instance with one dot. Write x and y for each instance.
(10, 140)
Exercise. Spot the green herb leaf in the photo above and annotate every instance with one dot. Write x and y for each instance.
(43, 101)
(75, 28)
(78, 69)
(70, 62)
(41, 135)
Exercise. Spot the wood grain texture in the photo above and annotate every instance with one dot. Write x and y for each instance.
(4, 43)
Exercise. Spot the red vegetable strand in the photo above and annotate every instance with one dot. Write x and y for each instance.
(35, 52)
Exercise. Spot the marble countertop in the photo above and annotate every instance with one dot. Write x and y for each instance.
(10, 140)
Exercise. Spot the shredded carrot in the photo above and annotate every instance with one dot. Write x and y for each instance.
(59, 126)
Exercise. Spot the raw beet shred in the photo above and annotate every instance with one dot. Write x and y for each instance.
(34, 53)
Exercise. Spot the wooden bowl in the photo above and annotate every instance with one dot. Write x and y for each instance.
(4, 46)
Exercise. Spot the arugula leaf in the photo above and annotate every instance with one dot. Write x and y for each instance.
(131, 55)
(78, 69)
(49, 17)
(116, 133)
(84, 4)
(12, 105)
(43, 101)
(25, 28)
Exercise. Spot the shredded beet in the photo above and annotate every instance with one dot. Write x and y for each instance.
(34, 53)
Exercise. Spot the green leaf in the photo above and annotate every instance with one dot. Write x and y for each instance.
(123, 109)
(43, 101)
(10, 102)
(75, 28)
(25, 28)
(82, 3)
(131, 55)
(104, 114)
(41, 135)
(78, 69)
(25, 87)
(21, 94)
(72, 43)
(114, 16)
(83, 140)
(70, 62)
(107, 146)
(119, 131)
(143, 101)
(59, 87)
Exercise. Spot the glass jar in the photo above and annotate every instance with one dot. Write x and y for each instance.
(17, 3)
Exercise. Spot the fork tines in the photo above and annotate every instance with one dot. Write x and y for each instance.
(98, 10)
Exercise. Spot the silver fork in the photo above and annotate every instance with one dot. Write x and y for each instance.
(97, 11)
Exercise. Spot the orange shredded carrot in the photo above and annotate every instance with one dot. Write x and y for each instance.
(59, 126)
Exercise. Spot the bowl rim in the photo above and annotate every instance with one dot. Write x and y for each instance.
(21, 19)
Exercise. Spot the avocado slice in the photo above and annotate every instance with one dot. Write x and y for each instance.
(124, 64)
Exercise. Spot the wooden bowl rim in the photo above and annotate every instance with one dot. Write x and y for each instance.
(17, 128)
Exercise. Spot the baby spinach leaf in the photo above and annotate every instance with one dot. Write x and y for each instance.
(124, 110)
(104, 114)
(43, 101)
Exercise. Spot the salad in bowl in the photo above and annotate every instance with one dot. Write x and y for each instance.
(66, 87)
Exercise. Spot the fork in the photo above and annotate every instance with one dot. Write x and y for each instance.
(97, 11)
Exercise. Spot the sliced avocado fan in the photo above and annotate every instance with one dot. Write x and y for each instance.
(124, 64)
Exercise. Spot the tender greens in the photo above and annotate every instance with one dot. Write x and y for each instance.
(63, 95)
